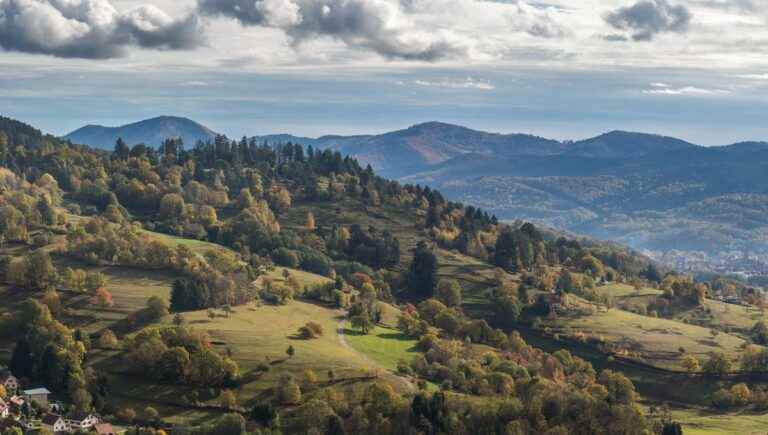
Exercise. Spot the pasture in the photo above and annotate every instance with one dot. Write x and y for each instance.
(652, 340)
(385, 346)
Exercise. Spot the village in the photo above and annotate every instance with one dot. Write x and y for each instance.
(34, 411)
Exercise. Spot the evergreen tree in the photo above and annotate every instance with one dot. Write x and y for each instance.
(422, 276)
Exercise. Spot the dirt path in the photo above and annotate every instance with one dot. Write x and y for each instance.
(384, 373)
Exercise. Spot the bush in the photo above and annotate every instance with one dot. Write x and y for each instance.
(285, 257)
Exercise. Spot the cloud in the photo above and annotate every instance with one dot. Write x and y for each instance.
(740, 5)
(647, 18)
(92, 29)
(759, 77)
(378, 25)
(665, 89)
(468, 83)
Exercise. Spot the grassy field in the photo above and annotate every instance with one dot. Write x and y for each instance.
(698, 422)
(619, 290)
(385, 346)
(255, 336)
(652, 340)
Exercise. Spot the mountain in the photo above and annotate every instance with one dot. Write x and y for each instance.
(623, 144)
(694, 206)
(419, 147)
(149, 132)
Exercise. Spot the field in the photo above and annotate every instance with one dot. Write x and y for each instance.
(652, 340)
(385, 346)
(697, 422)
(257, 336)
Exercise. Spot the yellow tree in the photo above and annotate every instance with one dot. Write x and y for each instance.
(311, 226)
(691, 364)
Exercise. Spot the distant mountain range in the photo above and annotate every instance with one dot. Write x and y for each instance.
(692, 205)
(149, 132)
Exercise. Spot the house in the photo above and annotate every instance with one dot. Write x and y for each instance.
(104, 429)
(82, 420)
(9, 381)
(39, 395)
(16, 402)
(54, 423)
(30, 423)
(5, 409)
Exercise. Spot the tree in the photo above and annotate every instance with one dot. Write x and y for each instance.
(157, 308)
(228, 400)
(422, 275)
(151, 413)
(290, 393)
(290, 351)
(108, 340)
(311, 226)
(363, 322)
(718, 363)
(172, 206)
(22, 362)
(126, 415)
(760, 332)
(103, 298)
(449, 292)
(122, 151)
(691, 364)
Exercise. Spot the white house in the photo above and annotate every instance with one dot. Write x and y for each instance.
(82, 420)
(9, 381)
(55, 423)
(39, 395)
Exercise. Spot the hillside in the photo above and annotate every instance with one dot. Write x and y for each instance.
(692, 207)
(287, 288)
(151, 132)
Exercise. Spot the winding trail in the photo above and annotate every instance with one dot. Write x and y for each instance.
(383, 372)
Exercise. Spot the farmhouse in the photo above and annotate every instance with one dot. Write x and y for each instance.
(82, 420)
(54, 423)
(39, 395)
(9, 381)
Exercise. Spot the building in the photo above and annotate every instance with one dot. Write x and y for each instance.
(9, 381)
(82, 420)
(5, 409)
(54, 423)
(39, 395)
(104, 429)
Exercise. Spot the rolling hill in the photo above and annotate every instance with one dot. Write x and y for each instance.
(694, 207)
(149, 132)
(690, 206)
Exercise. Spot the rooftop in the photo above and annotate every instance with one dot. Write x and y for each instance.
(36, 391)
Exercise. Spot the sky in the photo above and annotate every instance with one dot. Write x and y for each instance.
(565, 69)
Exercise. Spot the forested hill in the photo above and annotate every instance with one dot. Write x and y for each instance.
(151, 132)
(287, 233)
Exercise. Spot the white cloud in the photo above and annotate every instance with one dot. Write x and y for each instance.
(663, 89)
(468, 83)
(92, 29)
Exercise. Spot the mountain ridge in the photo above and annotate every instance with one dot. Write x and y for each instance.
(150, 131)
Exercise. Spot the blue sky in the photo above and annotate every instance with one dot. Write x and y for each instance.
(696, 69)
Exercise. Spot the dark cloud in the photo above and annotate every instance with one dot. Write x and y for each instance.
(92, 29)
(647, 18)
(376, 25)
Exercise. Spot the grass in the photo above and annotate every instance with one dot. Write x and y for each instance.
(254, 336)
(653, 340)
(698, 422)
(198, 246)
(619, 290)
(385, 346)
